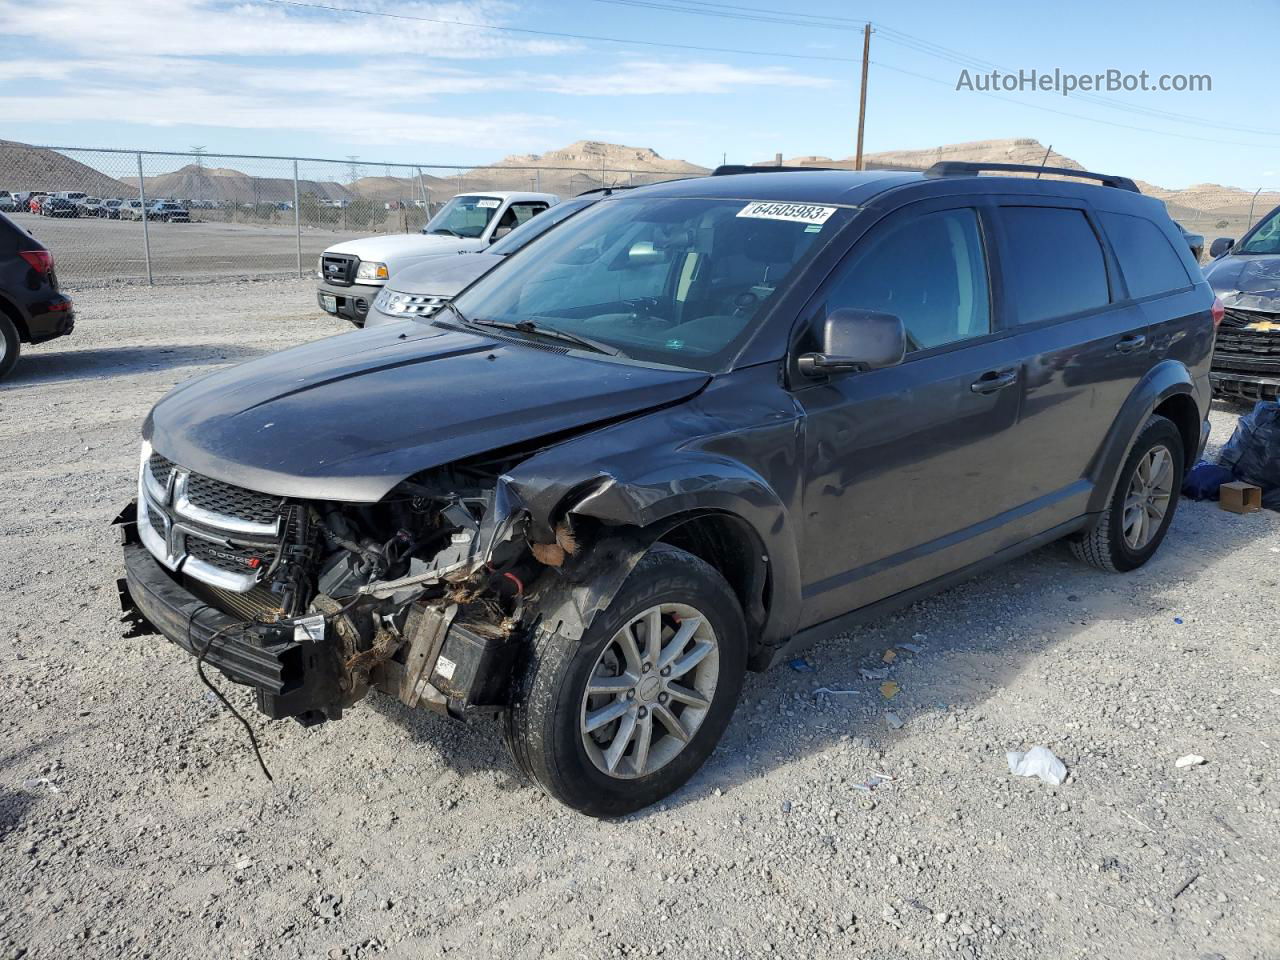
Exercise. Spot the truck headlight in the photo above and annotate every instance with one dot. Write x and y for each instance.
(371, 271)
(320, 268)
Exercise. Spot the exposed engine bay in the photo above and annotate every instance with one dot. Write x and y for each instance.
(422, 595)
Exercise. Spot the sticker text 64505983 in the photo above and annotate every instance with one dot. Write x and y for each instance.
(795, 212)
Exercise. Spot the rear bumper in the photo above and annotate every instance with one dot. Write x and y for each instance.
(51, 318)
(292, 677)
(351, 303)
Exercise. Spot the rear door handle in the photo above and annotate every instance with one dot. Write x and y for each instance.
(994, 380)
(1131, 343)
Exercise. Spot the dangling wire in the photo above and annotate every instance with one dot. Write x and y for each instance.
(253, 740)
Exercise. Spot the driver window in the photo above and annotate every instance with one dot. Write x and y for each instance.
(930, 270)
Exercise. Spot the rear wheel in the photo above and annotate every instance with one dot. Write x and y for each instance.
(623, 716)
(1142, 505)
(9, 346)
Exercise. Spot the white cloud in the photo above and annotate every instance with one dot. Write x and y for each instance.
(211, 28)
(256, 66)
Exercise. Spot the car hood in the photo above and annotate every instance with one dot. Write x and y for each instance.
(400, 248)
(349, 417)
(444, 276)
(1248, 282)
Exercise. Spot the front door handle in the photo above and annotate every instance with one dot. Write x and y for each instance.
(1131, 342)
(994, 380)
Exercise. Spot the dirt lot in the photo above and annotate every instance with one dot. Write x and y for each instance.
(90, 250)
(135, 823)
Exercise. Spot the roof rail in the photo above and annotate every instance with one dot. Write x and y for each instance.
(733, 169)
(961, 168)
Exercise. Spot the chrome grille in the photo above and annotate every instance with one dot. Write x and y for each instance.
(218, 497)
(214, 532)
(396, 304)
(160, 469)
(228, 557)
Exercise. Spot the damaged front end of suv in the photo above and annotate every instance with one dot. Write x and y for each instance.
(424, 595)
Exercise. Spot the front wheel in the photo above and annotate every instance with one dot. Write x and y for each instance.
(1142, 505)
(623, 716)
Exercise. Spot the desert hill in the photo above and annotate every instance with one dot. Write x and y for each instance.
(24, 167)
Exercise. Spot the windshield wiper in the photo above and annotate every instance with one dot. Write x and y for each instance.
(551, 333)
(447, 232)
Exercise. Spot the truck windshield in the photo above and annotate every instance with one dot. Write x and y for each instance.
(677, 281)
(1266, 239)
(464, 216)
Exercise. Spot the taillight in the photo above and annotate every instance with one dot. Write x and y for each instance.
(41, 260)
(1218, 311)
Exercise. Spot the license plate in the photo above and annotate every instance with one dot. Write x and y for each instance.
(330, 303)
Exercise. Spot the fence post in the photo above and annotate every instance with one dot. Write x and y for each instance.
(538, 174)
(146, 236)
(297, 217)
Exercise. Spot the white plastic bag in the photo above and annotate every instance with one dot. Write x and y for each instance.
(1037, 762)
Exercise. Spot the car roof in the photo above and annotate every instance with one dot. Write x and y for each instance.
(850, 187)
(509, 194)
(857, 187)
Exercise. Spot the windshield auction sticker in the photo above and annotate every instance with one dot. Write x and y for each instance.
(795, 212)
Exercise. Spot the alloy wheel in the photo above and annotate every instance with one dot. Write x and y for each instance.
(650, 690)
(1147, 501)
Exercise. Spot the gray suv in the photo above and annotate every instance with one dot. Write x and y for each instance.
(692, 429)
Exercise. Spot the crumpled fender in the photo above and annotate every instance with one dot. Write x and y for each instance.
(647, 475)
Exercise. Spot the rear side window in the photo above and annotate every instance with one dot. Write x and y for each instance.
(1149, 264)
(930, 271)
(1055, 265)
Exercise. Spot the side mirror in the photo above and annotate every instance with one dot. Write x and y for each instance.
(1221, 247)
(499, 233)
(856, 340)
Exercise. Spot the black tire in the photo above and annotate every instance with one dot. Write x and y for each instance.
(9, 346)
(1104, 546)
(542, 727)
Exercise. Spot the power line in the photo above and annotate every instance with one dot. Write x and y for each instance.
(919, 45)
(1077, 116)
(760, 16)
(561, 36)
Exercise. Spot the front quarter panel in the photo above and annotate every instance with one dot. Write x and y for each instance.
(733, 449)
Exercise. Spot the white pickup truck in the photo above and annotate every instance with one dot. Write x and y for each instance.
(352, 273)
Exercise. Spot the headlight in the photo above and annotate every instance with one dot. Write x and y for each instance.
(320, 268)
(371, 271)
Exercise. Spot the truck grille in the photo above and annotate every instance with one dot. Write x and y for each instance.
(338, 268)
(211, 531)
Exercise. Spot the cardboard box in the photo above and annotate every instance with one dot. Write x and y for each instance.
(1240, 497)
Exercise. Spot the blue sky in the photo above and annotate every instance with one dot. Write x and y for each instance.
(263, 77)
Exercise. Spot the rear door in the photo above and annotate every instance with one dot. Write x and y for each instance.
(907, 467)
(1084, 343)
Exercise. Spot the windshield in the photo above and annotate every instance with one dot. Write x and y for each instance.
(534, 228)
(677, 281)
(464, 216)
(1267, 237)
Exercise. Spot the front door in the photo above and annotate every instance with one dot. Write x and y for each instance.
(908, 468)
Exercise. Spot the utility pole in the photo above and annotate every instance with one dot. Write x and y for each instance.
(862, 100)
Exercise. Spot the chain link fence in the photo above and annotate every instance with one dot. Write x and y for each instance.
(138, 216)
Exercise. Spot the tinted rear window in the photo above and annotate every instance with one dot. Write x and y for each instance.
(1149, 264)
(1056, 266)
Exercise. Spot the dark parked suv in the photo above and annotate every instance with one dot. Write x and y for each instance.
(689, 431)
(31, 308)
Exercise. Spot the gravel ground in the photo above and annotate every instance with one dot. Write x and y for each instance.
(135, 823)
(94, 251)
